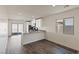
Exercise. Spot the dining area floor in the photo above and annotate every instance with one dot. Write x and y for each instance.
(14, 46)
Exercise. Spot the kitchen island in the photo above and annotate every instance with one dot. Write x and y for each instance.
(33, 36)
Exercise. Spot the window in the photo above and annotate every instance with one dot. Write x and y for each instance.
(59, 25)
(65, 26)
(68, 26)
(38, 23)
(27, 23)
(33, 22)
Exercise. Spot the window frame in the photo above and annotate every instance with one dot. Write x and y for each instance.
(64, 25)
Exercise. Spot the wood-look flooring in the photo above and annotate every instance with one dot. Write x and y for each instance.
(40, 47)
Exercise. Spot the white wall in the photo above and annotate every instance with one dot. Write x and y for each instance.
(3, 37)
(49, 24)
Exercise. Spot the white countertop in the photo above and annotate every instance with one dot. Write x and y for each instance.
(34, 32)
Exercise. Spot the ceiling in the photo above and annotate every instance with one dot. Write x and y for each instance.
(28, 12)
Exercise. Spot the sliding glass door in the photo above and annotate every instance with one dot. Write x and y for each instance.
(14, 28)
(17, 28)
(20, 28)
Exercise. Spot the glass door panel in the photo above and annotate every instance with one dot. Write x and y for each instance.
(14, 28)
(20, 28)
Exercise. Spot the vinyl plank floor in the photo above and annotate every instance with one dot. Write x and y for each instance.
(40, 47)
